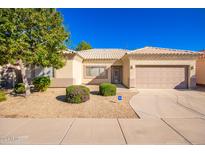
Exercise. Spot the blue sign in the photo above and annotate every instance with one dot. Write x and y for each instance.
(119, 98)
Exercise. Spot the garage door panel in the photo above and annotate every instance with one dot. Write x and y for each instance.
(161, 77)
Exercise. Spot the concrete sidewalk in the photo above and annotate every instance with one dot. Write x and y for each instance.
(102, 131)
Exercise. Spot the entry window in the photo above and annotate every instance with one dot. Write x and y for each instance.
(96, 71)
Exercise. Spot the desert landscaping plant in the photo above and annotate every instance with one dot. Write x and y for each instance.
(34, 36)
(77, 94)
(2, 96)
(20, 88)
(41, 83)
(107, 89)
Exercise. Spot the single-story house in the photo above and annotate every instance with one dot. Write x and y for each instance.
(148, 67)
(200, 70)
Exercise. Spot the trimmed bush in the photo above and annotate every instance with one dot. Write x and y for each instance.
(2, 96)
(77, 94)
(41, 83)
(107, 89)
(20, 88)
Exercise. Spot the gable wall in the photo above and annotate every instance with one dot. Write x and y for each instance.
(70, 74)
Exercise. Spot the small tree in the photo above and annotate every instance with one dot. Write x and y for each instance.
(32, 36)
(83, 46)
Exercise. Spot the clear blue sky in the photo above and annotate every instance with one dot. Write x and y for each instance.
(136, 28)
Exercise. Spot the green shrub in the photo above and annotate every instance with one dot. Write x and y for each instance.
(107, 89)
(41, 83)
(20, 88)
(77, 94)
(2, 96)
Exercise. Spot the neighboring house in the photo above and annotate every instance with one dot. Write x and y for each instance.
(148, 67)
(200, 70)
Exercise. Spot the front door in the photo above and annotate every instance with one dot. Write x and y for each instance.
(116, 74)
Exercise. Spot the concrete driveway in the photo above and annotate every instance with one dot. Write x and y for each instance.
(182, 110)
(169, 103)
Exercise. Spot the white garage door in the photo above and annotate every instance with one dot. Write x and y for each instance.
(161, 77)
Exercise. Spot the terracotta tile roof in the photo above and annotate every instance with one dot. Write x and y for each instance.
(114, 54)
(167, 51)
(102, 53)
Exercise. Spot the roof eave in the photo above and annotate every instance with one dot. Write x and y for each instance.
(73, 54)
(165, 54)
(101, 58)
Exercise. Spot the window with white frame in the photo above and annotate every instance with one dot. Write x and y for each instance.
(96, 71)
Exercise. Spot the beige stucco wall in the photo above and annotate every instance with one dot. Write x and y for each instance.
(200, 71)
(77, 70)
(126, 71)
(190, 63)
(66, 71)
(106, 63)
(71, 73)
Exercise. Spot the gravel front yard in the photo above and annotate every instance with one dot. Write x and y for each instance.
(50, 104)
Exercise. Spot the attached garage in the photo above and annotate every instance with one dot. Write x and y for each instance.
(161, 68)
(161, 77)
